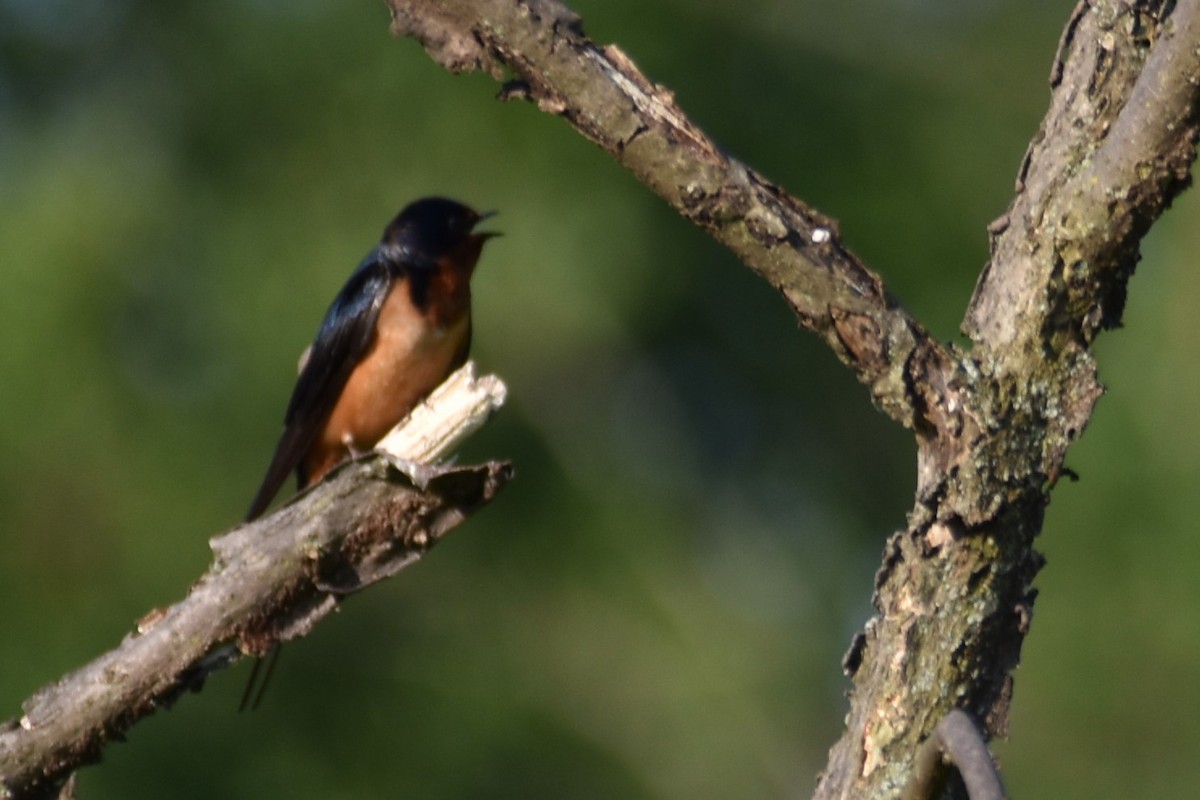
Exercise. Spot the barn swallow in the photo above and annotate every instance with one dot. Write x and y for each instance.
(395, 331)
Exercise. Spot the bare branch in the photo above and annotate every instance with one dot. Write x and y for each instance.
(954, 593)
(270, 581)
(955, 590)
(599, 91)
(1113, 150)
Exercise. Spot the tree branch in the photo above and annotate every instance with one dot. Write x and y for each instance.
(600, 92)
(270, 581)
(954, 592)
(1113, 150)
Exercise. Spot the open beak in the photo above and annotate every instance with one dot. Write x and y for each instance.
(485, 235)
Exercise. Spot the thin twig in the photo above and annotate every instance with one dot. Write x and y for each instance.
(957, 739)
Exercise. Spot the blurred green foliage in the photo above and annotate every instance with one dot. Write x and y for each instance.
(657, 606)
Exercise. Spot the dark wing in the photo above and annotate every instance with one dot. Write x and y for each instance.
(344, 337)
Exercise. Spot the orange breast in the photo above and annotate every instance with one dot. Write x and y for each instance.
(412, 354)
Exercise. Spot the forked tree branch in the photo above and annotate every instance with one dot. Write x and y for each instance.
(271, 580)
(954, 592)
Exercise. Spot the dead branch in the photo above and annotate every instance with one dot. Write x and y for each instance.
(270, 581)
(954, 592)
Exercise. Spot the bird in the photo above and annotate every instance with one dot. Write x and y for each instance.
(399, 326)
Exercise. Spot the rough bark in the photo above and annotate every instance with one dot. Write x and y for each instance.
(270, 581)
(539, 49)
(954, 593)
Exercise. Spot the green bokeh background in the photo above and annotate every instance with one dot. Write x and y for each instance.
(657, 607)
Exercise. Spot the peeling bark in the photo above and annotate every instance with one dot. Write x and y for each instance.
(954, 592)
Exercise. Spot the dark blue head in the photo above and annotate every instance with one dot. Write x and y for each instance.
(431, 228)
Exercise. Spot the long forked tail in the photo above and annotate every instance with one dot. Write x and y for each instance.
(272, 659)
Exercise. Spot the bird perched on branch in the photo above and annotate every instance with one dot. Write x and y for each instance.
(395, 331)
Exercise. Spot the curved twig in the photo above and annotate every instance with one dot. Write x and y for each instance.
(958, 739)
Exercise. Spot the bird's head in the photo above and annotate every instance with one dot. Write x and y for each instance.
(432, 229)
